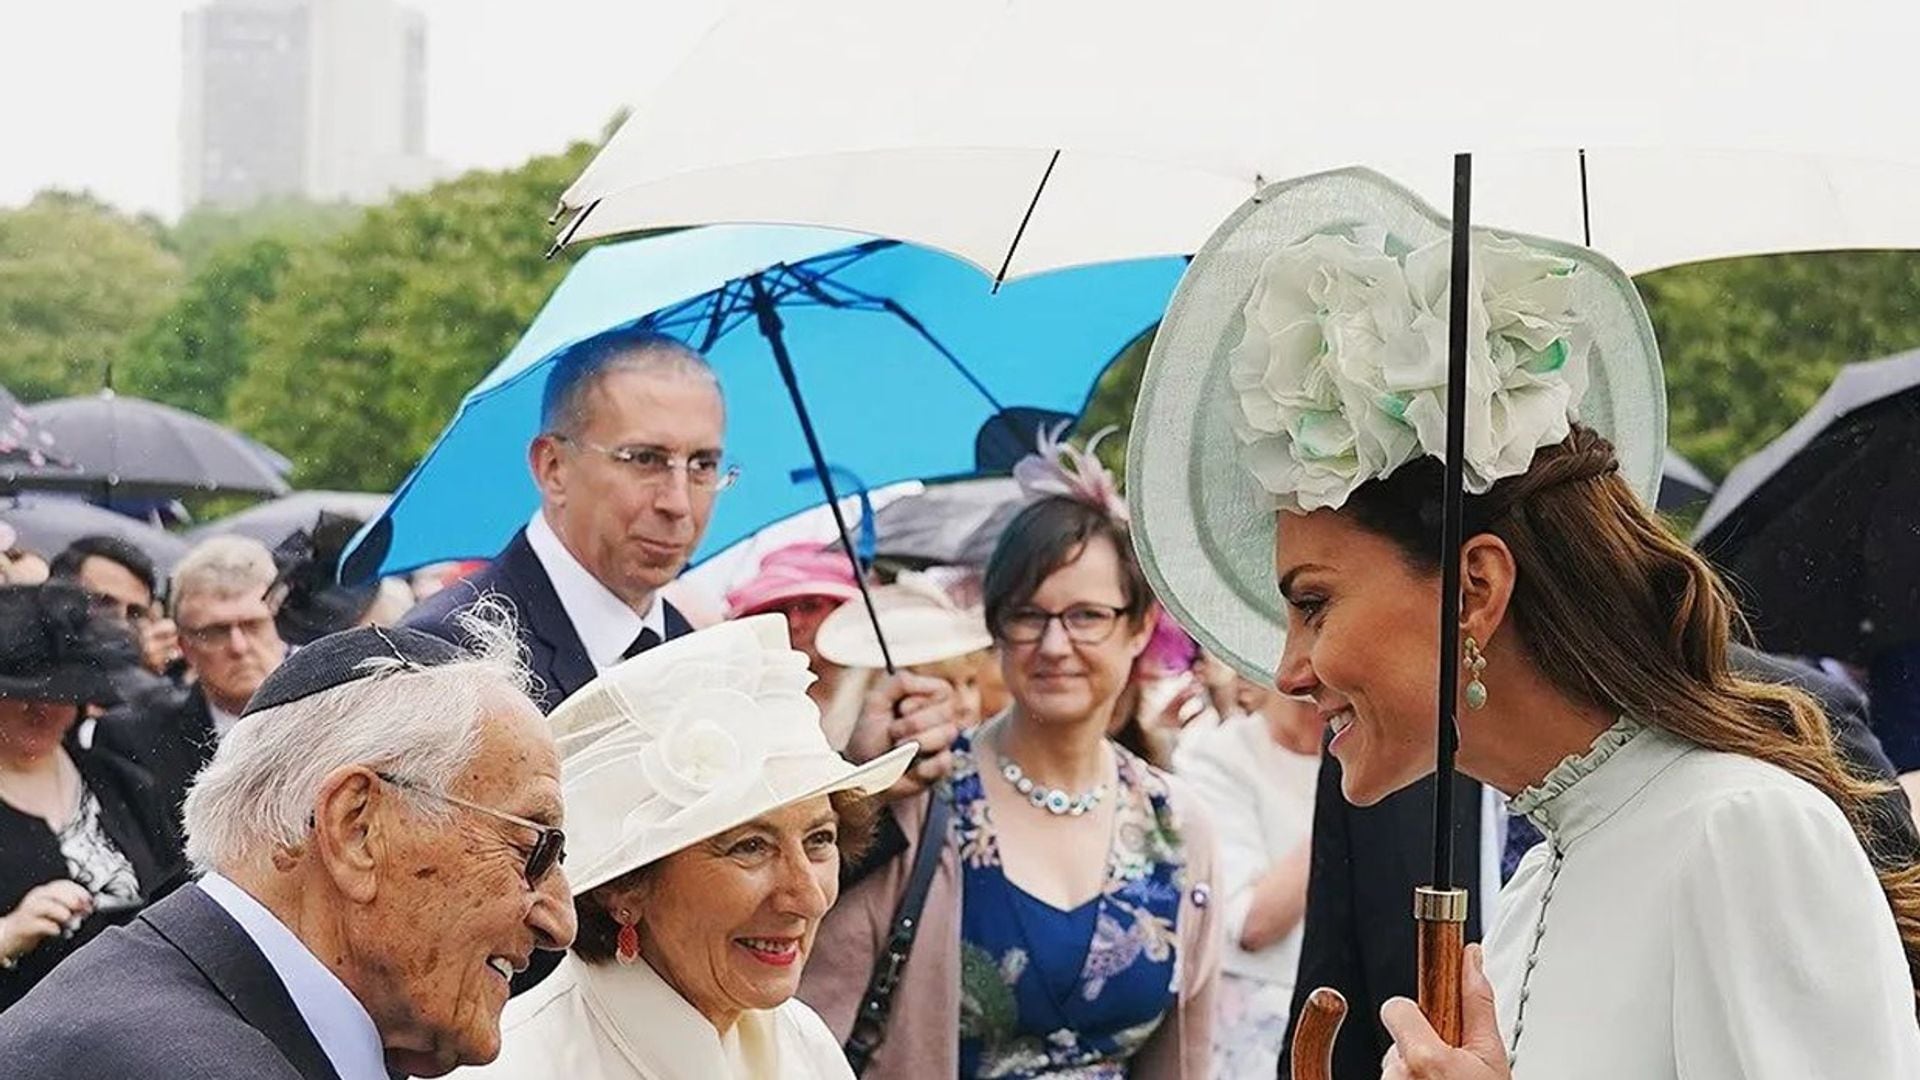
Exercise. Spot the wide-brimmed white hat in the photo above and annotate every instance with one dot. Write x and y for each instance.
(693, 737)
(922, 622)
(1305, 352)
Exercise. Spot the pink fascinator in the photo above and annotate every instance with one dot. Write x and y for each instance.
(1060, 468)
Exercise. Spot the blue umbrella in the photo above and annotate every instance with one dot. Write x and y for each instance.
(883, 361)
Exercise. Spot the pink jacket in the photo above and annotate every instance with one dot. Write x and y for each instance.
(923, 1031)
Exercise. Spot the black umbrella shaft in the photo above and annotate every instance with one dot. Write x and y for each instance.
(768, 316)
(1451, 512)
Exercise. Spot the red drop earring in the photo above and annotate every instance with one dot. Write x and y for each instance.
(627, 944)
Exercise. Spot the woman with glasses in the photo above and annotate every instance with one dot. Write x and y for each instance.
(706, 815)
(83, 838)
(1069, 929)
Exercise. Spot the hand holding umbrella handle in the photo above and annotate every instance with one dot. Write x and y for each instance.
(1440, 917)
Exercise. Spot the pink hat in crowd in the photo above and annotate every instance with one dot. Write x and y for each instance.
(794, 571)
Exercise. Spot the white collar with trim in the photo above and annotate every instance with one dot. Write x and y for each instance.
(606, 625)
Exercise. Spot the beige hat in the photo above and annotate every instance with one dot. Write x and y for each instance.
(691, 738)
(922, 623)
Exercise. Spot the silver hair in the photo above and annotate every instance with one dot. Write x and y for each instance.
(222, 566)
(422, 724)
(572, 410)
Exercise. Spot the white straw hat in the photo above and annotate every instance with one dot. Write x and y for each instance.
(693, 737)
(922, 623)
(1304, 352)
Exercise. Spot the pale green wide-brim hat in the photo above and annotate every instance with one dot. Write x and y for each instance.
(1202, 524)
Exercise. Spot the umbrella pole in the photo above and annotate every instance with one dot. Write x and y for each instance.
(1440, 909)
(771, 328)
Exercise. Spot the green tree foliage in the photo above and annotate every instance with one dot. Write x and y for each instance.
(191, 355)
(373, 336)
(206, 233)
(77, 280)
(1750, 344)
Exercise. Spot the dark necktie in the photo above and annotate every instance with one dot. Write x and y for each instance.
(1521, 836)
(647, 640)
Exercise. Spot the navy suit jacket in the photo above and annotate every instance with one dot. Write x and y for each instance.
(553, 646)
(179, 992)
(1366, 862)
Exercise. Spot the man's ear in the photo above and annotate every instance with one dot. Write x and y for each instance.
(349, 833)
(545, 456)
(1487, 577)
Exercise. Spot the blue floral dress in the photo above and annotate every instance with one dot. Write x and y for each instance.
(1071, 995)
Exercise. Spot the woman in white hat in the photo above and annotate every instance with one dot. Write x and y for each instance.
(928, 633)
(1706, 903)
(705, 817)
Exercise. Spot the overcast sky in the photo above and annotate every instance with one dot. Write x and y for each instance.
(90, 89)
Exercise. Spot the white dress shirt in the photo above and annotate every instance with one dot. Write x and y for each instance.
(339, 1022)
(606, 625)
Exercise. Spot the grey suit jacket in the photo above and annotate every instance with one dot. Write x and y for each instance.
(179, 992)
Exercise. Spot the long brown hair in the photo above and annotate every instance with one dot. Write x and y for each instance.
(1653, 642)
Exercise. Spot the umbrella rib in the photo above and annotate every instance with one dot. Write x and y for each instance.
(1032, 204)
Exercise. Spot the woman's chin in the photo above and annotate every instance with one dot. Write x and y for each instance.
(1365, 781)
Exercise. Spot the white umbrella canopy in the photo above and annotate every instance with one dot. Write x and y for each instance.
(1089, 130)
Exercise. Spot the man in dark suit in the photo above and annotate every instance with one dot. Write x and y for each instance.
(231, 645)
(367, 894)
(1366, 862)
(629, 463)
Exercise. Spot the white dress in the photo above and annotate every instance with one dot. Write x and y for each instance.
(613, 1022)
(1696, 915)
(1260, 795)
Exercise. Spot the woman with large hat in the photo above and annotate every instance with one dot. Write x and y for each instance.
(705, 819)
(84, 839)
(1704, 904)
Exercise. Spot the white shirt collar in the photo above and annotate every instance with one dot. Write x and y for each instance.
(223, 720)
(339, 1022)
(605, 623)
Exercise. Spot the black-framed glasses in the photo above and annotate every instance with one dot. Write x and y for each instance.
(212, 635)
(652, 465)
(548, 851)
(1085, 624)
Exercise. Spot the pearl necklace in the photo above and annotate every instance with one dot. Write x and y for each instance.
(1055, 801)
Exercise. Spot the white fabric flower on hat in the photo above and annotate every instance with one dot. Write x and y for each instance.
(694, 752)
(1341, 370)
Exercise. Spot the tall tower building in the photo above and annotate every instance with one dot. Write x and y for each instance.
(323, 99)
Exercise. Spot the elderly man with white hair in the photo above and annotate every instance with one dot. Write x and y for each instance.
(380, 839)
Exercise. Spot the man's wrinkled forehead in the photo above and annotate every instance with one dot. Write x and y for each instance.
(516, 760)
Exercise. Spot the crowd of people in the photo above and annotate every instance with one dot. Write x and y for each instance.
(997, 821)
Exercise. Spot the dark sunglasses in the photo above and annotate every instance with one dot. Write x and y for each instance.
(549, 849)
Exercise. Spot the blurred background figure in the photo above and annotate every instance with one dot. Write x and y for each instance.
(927, 633)
(1256, 771)
(1166, 695)
(121, 581)
(19, 566)
(806, 583)
(231, 644)
(84, 838)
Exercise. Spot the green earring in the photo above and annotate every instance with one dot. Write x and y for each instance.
(1476, 663)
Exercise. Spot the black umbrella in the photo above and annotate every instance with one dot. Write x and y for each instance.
(130, 446)
(1682, 484)
(46, 524)
(273, 521)
(1821, 529)
(27, 449)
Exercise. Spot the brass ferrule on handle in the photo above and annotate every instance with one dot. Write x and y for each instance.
(1440, 905)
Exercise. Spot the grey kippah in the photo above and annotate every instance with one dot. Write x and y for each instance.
(341, 658)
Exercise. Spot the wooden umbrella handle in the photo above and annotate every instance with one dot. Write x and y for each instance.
(1440, 916)
(1313, 1036)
